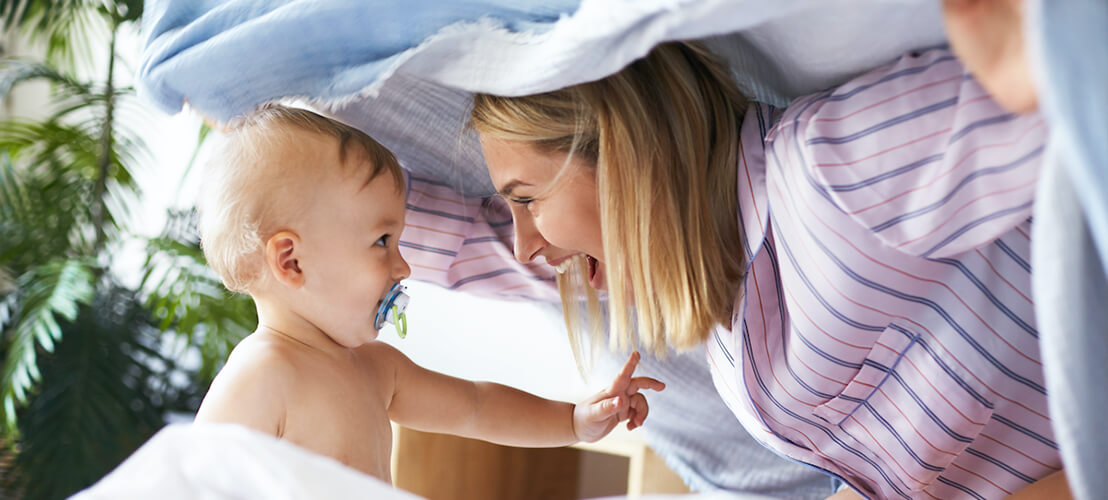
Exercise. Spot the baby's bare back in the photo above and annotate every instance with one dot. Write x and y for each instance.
(331, 403)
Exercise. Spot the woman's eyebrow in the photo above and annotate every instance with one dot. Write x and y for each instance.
(506, 191)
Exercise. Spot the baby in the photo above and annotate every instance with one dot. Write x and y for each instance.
(304, 214)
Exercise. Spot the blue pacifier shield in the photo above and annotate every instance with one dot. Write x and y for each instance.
(392, 309)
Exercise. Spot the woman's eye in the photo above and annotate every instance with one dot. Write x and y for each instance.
(382, 241)
(521, 201)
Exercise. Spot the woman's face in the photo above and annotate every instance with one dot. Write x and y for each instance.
(555, 220)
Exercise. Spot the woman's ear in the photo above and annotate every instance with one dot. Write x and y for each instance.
(282, 254)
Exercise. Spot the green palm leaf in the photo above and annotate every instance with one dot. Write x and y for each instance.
(59, 23)
(15, 209)
(44, 198)
(104, 391)
(51, 144)
(60, 167)
(86, 384)
(36, 15)
(54, 289)
(16, 71)
(185, 295)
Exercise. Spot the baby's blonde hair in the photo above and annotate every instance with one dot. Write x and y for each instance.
(663, 134)
(247, 191)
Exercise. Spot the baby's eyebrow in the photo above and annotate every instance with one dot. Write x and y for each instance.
(388, 222)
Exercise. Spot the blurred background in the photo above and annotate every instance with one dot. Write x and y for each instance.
(111, 325)
(109, 322)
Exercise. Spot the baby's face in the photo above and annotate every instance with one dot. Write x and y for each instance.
(350, 258)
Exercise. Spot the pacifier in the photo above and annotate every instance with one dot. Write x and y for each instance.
(392, 309)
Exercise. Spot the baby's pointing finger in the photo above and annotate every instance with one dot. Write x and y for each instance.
(626, 372)
(639, 383)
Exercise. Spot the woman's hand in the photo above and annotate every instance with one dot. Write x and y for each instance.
(845, 494)
(1052, 487)
(595, 417)
(987, 35)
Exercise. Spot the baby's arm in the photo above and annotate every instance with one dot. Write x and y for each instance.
(249, 391)
(430, 401)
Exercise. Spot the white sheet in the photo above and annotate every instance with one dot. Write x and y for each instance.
(222, 461)
(230, 462)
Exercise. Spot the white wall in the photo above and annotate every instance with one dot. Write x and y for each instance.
(515, 343)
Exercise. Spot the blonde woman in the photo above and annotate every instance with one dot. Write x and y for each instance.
(855, 265)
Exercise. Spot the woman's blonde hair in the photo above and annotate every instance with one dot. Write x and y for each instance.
(663, 134)
(245, 197)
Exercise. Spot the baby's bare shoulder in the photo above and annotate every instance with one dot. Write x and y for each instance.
(252, 389)
(258, 353)
(382, 356)
(383, 363)
(255, 368)
(378, 349)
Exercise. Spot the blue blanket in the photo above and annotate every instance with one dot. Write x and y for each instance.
(226, 57)
(379, 64)
(1070, 249)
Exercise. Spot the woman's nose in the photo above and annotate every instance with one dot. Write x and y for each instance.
(528, 239)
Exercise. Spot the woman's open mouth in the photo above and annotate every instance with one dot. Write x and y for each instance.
(596, 277)
(593, 272)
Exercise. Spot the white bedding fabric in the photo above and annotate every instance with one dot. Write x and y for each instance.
(230, 462)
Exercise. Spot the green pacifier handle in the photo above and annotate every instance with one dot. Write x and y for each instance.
(401, 322)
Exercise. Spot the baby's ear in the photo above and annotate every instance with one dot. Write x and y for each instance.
(282, 258)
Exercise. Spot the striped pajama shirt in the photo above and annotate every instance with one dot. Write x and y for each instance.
(884, 331)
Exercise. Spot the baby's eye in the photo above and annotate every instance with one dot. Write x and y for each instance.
(382, 241)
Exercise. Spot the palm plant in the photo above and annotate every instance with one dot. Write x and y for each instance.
(88, 366)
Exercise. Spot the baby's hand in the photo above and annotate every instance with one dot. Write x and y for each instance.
(595, 417)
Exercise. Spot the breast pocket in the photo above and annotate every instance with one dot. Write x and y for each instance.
(908, 410)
